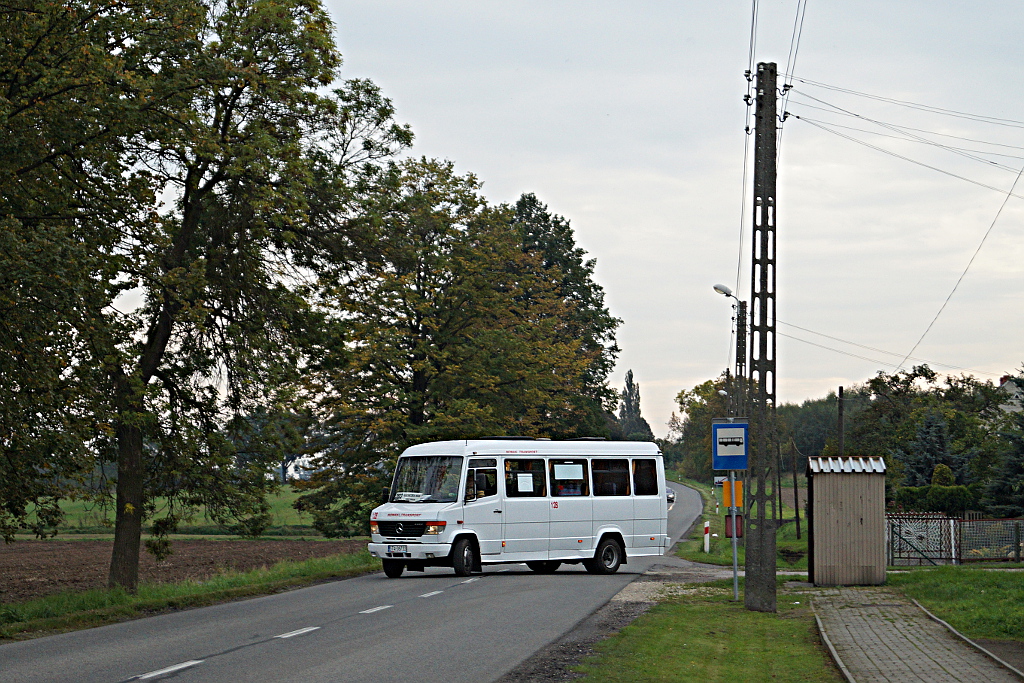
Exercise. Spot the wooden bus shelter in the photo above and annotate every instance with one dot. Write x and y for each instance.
(846, 508)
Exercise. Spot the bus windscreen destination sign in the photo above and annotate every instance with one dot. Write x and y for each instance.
(729, 443)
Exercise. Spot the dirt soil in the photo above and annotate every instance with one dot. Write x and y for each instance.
(32, 569)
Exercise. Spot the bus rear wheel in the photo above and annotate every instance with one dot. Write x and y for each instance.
(544, 566)
(393, 569)
(606, 559)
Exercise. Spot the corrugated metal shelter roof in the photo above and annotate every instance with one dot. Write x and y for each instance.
(869, 465)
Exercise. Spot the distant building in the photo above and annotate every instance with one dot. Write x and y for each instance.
(1014, 392)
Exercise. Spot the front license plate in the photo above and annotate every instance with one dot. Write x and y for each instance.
(398, 548)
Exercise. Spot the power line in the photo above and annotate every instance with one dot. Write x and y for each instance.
(974, 256)
(751, 50)
(1012, 123)
(913, 161)
(896, 130)
(794, 49)
(967, 154)
(877, 350)
(832, 109)
(905, 138)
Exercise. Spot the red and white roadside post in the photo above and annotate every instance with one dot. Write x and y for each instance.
(707, 536)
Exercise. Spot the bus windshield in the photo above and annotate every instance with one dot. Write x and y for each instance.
(427, 479)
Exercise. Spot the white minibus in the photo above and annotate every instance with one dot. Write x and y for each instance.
(464, 504)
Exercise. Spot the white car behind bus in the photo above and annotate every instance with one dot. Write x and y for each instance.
(464, 504)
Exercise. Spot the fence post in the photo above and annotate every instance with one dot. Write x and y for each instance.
(1016, 541)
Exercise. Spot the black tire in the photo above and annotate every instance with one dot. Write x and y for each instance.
(463, 557)
(607, 557)
(393, 568)
(544, 566)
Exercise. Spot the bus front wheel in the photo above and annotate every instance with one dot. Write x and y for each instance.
(393, 569)
(463, 557)
(607, 558)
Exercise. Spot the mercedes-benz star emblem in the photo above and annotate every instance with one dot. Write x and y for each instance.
(399, 528)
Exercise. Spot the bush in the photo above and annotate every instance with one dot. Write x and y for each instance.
(951, 500)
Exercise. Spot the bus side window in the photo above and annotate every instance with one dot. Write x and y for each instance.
(645, 478)
(486, 483)
(611, 477)
(569, 478)
(524, 478)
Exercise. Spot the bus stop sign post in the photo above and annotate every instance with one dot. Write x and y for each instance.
(730, 451)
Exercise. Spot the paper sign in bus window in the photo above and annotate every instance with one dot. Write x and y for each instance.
(569, 471)
(524, 480)
(730, 441)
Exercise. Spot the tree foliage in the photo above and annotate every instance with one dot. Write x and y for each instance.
(210, 264)
(631, 425)
(698, 407)
(453, 326)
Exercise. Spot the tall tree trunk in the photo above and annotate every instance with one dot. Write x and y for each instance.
(124, 561)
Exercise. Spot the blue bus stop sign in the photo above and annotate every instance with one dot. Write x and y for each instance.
(729, 445)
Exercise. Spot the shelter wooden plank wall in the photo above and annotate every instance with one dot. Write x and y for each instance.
(849, 529)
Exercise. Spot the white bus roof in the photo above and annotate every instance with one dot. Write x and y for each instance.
(530, 447)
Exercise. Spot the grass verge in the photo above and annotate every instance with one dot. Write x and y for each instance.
(75, 610)
(792, 551)
(980, 603)
(706, 637)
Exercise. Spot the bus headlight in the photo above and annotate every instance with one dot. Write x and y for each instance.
(374, 529)
(434, 527)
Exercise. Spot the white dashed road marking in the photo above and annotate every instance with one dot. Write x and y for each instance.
(299, 632)
(170, 669)
(374, 609)
(475, 578)
(431, 593)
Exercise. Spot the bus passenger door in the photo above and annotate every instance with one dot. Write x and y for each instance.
(613, 505)
(649, 505)
(482, 511)
(572, 510)
(525, 510)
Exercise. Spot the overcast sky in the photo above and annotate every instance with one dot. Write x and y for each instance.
(627, 119)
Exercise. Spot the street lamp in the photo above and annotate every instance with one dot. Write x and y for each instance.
(737, 402)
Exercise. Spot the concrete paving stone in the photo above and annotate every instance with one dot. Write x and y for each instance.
(881, 637)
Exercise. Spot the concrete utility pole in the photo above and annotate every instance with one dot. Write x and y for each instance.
(842, 424)
(759, 593)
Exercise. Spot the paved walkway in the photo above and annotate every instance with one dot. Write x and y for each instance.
(878, 635)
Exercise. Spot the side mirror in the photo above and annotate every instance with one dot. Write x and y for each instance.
(385, 494)
(470, 493)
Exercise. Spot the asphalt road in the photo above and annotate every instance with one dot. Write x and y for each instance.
(422, 627)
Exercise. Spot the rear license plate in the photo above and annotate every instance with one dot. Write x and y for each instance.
(398, 548)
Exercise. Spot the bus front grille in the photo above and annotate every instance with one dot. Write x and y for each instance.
(402, 529)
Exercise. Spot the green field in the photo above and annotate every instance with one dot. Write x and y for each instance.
(89, 518)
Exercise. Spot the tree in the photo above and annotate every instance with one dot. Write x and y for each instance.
(77, 83)
(811, 424)
(699, 406)
(216, 109)
(631, 423)
(929, 449)
(587, 319)
(447, 328)
(1004, 493)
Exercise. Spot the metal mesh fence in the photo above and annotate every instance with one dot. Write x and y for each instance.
(932, 539)
(990, 539)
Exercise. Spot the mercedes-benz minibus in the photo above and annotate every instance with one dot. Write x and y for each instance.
(464, 504)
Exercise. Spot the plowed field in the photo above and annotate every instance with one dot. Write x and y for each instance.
(32, 569)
